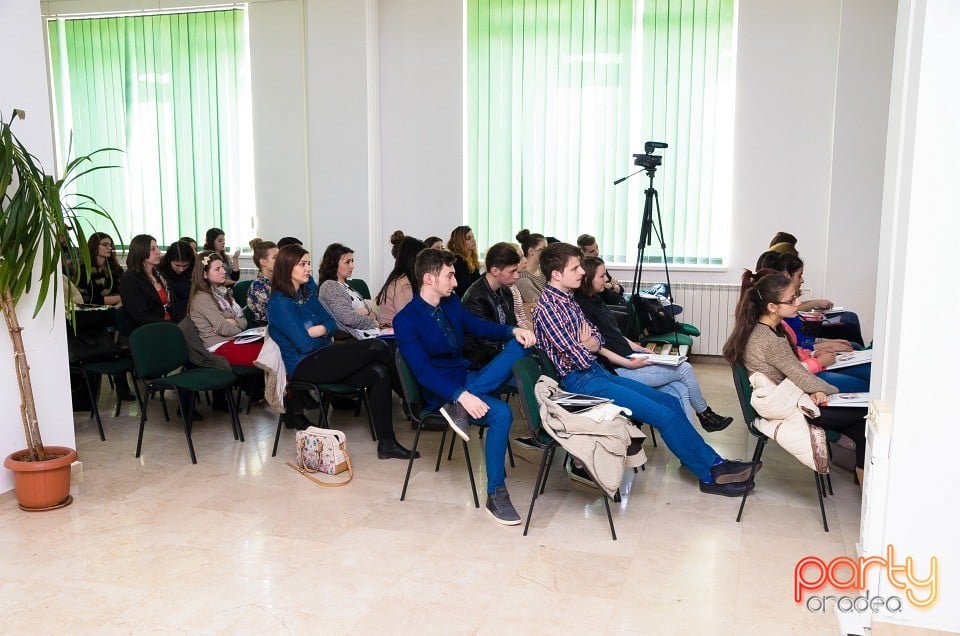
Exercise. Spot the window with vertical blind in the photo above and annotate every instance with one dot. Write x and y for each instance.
(561, 93)
(172, 92)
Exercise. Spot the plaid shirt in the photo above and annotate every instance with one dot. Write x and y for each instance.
(556, 323)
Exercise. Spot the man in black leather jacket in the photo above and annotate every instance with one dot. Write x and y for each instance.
(490, 298)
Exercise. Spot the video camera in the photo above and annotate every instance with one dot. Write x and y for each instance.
(649, 160)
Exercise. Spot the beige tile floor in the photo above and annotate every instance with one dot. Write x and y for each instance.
(240, 543)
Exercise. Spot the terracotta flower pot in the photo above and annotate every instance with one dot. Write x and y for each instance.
(42, 485)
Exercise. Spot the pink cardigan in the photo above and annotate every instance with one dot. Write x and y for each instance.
(806, 357)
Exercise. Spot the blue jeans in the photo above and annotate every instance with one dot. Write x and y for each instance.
(498, 420)
(850, 379)
(679, 381)
(660, 410)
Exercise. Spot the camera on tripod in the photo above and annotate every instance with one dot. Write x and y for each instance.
(649, 160)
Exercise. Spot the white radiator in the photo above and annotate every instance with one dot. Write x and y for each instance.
(710, 308)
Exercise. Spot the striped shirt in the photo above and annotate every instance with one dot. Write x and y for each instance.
(556, 323)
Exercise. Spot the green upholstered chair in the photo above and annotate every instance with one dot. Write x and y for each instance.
(741, 381)
(526, 372)
(360, 286)
(325, 391)
(412, 395)
(240, 291)
(117, 369)
(159, 350)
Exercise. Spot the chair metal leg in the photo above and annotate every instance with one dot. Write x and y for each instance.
(443, 440)
(606, 504)
(552, 450)
(94, 407)
(453, 443)
(823, 513)
(473, 483)
(234, 414)
(365, 399)
(653, 435)
(143, 419)
(416, 442)
(186, 414)
(513, 464)
(276, 440)
(757, 452)
(830, 484)
(537, 489)
(163, 402)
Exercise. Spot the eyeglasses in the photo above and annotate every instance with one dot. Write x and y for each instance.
(791, 301)
(106, 244)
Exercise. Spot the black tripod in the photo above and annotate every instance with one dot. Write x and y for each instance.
(651, 202)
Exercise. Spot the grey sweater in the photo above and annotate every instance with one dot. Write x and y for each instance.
(771, 354)
(336, 299)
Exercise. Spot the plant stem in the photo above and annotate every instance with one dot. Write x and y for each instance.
(28, 409)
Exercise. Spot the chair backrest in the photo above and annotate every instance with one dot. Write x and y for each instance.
(526, 372)
(409, 384)
(360, 286)
(744, 391)
(546, 364)
(158, 349)
(240, 291)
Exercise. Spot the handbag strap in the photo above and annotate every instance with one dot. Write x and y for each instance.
(305, 473)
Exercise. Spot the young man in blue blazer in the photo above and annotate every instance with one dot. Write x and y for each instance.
(429, 332)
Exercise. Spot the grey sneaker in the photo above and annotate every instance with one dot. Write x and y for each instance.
(458, 419)
(500, 508)
(580, 474)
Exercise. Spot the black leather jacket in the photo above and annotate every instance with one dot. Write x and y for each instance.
(481, 301)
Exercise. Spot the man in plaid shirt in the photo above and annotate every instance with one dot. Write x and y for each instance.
(572, 342)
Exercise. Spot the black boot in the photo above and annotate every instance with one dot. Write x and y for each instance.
(711, 422)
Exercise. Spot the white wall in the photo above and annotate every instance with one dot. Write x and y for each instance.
(908, 505)
(24, 86)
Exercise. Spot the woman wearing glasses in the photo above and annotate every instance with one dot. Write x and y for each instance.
(760, 344)
(102, 286)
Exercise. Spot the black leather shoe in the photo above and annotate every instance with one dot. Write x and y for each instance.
(736, 489)
(730, 471)
(298, 421)
(393, 450)
(712, 422)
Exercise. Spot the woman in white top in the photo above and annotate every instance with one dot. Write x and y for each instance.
(352, 312)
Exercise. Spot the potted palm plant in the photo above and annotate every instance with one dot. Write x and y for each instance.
(39, 225)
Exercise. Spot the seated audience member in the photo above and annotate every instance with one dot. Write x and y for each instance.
(145, 293)
(217, 315)
(399, 287)
(289, 240)
(621, 353)
(192, 241)
(531, 281)
(303, 330)
(177, 267)
(849, 326)
(490, 298)
(351, 312)
(573, 343)
(433, 243)
(264, 256)
(216, 241)
(102, 285)
(784, 243)
(519, 310)
(430, 331)
(824, 353)
(463, 245)
(759, 343)
(612, 293)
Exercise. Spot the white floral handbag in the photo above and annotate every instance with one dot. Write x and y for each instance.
(321, 450)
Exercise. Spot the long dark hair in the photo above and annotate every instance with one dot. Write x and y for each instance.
(590, 265)
(178, 251)
(282, 279)
(756, 290)
(331, 261)
(138, 252)
(529, 240)
(407, 249)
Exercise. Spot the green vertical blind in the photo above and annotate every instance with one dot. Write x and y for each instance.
(561, 92)
(172, 92)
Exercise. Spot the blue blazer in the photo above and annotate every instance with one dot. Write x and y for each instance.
(440, 368)
(289, 318)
